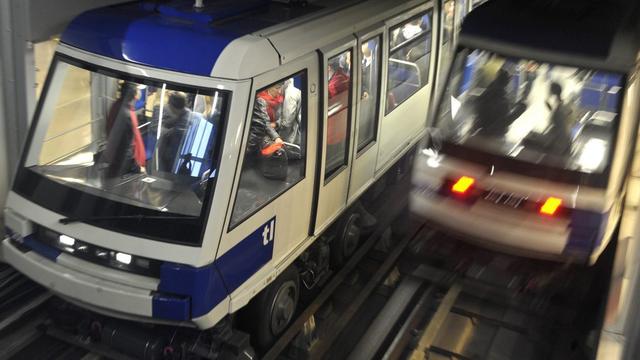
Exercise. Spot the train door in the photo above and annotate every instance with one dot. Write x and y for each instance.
(409, 73)
(369, 69)
(336, 140)
(272, 199)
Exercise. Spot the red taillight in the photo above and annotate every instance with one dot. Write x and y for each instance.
(550, 206)
(463, 185)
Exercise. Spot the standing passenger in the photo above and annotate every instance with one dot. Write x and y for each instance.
(125, 150)
(175, 123)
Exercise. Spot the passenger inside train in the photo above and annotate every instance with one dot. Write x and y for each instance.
(139, 143)
(339, 93)
(409, 51)
(275, 152)
(369, 91)
(561, 117)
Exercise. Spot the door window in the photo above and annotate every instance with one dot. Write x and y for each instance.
(409, 59)
(339, 84)
(274, 158)
(369, 91)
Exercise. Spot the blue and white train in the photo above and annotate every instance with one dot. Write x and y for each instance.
(532, 139)
(182, 160)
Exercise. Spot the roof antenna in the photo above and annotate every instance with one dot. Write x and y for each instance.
(199, 4)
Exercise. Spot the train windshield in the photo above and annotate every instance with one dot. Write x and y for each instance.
(522, 112)
(108, 147)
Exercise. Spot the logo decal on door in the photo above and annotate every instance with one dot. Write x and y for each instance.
(269, 232)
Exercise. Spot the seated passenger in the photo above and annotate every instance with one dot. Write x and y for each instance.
(175, 122)
(125, 152)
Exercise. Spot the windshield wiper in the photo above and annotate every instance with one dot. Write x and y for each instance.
(69, 220)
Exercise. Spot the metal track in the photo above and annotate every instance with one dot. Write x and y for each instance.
(453, 311)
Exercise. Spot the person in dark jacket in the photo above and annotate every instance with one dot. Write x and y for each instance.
(175, 123)
(559, 134)
(493, 109)
(125, 152)
(267, 110)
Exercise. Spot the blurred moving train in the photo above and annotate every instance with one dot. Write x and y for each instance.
(182, 163)
(532, 139)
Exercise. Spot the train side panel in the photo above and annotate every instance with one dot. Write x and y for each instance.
(268, 219)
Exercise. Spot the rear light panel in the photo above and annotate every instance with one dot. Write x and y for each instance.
(465, 189)
(550, 206)
(463, 185)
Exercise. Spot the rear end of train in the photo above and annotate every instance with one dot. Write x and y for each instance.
(530, 143)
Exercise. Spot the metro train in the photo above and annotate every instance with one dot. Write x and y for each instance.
(532, 137)
(182, 162)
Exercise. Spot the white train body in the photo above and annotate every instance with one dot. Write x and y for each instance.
(532, 139)
(149, 246)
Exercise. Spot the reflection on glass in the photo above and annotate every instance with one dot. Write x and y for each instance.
(137, 142)
(477, 3)
(409, 56)
(448, 13)
(446, 52)
(339, 82)
(369, 91)
(540, 113)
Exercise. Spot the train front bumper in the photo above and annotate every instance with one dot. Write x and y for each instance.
(82, 287)
(117, 293)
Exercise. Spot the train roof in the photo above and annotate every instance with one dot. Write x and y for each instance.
(596, 34)
(233, 39)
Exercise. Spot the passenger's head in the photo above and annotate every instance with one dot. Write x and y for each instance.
(178, 100)
(128, 91)
(276, 89)
(366, 52)
(502, 79)
(555, 90)
(333, 66)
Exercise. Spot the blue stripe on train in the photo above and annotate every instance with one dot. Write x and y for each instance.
(186, 292)
(45, 250)
(587, 229)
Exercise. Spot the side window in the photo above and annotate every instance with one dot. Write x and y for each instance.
(409, 57)
(339, 84)
(369, 91)
(274, 159)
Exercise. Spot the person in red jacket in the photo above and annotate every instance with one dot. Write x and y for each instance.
(338, 79)
(267, 110)
(125, 152)
(338, 86)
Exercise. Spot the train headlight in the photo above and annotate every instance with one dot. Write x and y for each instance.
(66, 240)
(123, 258)
(97, 254)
